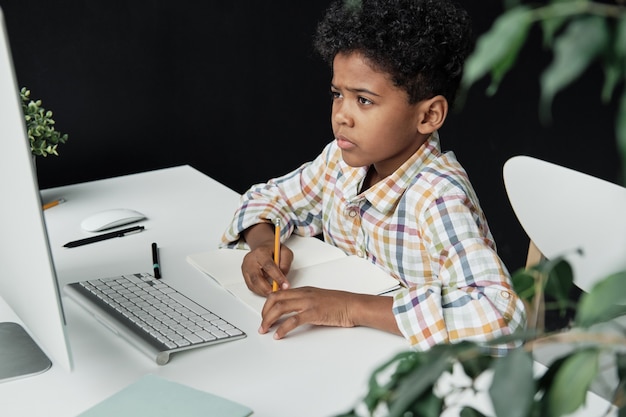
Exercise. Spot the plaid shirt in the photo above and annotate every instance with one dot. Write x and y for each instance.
(423, 225)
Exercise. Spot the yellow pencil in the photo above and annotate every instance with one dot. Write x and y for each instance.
(53, 203)
(276, 249)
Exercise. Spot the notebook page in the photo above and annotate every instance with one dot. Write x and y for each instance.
(344, 273)
(224, 265)
(349, 273)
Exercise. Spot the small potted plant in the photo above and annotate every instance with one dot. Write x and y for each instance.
(44, 139)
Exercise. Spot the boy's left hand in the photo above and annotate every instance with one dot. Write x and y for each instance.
(307, 305)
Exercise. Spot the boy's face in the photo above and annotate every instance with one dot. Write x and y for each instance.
(372, 120)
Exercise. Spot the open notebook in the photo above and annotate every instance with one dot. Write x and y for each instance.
(315, 264)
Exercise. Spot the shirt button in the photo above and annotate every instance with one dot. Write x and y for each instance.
(359, 253)
(352, 213)
(505, 295)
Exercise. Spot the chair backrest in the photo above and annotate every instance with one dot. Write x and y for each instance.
(571, 214)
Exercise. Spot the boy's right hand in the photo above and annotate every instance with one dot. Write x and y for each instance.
(258, 267)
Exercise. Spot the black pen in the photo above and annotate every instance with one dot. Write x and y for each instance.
(105, 236)
(155, 261)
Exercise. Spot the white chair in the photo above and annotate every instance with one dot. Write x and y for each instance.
(571, 214)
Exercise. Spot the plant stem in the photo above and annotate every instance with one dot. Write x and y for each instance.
(598, 338)
(577, 8)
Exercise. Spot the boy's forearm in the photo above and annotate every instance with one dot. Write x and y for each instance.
(258, 234)
(375, 311)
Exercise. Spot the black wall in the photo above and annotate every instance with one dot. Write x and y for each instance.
(235, 90)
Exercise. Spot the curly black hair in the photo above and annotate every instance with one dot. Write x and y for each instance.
(422, 44)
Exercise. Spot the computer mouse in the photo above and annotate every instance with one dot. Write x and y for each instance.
(108, 219)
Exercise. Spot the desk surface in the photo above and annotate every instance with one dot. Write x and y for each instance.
(316, 371)
(313, 372)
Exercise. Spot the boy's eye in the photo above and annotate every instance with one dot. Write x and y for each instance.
(335, 94)
(363, 100)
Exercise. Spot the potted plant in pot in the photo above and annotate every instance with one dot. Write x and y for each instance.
(443, 380)
(44, 138)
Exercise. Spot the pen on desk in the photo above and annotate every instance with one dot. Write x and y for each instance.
(155, 261)
(105, 236)
(276, 249)
(53, 203)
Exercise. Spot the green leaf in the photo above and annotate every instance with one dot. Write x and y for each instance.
(576, 48)
(429, 405)
(513, 387)
(605, 301)
(615, 60)
(497, 49)
(377, 391)
(557, 276)
(571, 383)
(560, 282)
(412, 387)
(553, 21)
(547, 379)
(470, 412)
(401, 364)
(612, 76)
(619, 43)
(620, 362)
(475, 365)
(414, 375)
(351, 413)
(524, 284)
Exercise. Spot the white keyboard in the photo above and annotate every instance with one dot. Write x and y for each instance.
(152, 315)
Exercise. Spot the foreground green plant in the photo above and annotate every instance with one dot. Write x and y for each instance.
(43, 137)
(579, 33)
(427, 384)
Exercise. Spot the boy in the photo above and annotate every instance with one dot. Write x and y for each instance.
(383, 189)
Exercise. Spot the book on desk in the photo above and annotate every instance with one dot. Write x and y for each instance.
(155, 396)
(315, 264)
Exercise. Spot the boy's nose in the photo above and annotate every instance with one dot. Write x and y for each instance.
(341, 116)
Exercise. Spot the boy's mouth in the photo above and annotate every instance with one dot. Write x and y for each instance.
(344, 143)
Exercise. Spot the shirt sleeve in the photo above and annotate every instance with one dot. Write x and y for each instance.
(469, 296)
(295, 198)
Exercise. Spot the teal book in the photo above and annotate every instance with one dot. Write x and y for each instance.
(157, 397)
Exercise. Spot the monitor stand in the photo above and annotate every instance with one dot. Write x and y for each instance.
(19, 354)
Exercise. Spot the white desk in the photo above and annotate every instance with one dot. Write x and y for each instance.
(313, 372)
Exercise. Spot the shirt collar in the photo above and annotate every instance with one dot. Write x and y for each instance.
(384, 195)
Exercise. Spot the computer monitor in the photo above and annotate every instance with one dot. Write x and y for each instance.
(27, 277)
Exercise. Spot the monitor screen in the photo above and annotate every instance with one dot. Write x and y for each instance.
(27, 277)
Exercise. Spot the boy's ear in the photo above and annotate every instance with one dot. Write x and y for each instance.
(433, 113)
